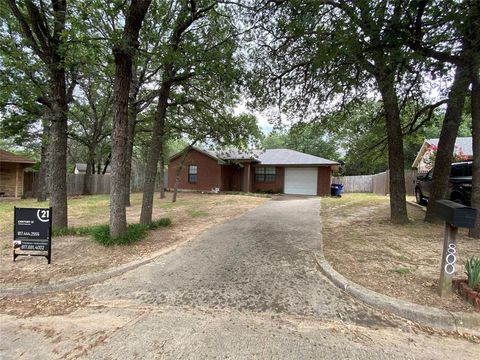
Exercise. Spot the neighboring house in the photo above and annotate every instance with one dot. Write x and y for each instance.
(463, 145)
(82, 169)
(272, 170)
(12, 169)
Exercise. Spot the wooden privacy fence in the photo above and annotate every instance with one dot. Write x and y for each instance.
(99, 184)
(137, 181)
(359, 183)
(377, 183)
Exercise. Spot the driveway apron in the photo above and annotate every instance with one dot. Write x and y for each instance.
(260, 262)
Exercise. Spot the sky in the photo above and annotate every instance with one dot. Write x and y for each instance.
(262, 118)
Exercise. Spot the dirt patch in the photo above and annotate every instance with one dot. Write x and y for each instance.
(60, 303)
(74, 255)
(398, 261)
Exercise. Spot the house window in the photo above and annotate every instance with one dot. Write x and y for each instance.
(265, 174)
(192, 174)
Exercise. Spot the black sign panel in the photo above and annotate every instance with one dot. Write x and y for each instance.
(32, 230)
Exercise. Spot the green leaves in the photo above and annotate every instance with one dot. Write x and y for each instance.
(472, 268)
(309, 138)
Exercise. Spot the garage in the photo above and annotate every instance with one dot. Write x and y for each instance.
(301, 181)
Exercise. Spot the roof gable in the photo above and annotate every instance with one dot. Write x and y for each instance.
(210, 154)
(464, 143)
(7, 156)
(81, 167)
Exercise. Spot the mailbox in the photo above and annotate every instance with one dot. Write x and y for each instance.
(456, 214)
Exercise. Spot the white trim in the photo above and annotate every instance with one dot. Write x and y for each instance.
(420, 154)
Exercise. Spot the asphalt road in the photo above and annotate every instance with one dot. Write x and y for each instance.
(249, 288)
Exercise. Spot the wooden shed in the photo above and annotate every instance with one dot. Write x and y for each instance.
(12, 169)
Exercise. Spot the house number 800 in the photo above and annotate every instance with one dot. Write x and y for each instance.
(450, 259)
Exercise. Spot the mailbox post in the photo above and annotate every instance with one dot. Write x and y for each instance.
(455, 216)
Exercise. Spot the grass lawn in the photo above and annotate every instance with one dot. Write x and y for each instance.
(399, 261)
(76, 255)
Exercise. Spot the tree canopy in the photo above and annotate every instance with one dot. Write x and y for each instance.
(363, 82)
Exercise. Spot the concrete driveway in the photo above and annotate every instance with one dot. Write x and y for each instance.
(261, 262)
(246, 289)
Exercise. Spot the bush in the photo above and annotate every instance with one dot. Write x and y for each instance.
(472, 268)
(155, 224)
(101, 233)
(135, 232)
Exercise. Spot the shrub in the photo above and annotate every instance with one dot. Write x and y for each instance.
(101, 233)
(163, 222)
(135, 232)
(472, 268)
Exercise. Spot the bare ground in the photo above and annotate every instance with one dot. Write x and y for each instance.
(398, 261)
(75, 255)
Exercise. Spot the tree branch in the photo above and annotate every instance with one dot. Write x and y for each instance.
(27, 32)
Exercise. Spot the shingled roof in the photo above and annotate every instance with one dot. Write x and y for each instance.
(8, 157)
(291, 157)
(280, 157)
(236, 154)
(464, 143)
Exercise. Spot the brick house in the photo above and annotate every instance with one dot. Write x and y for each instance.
(272, 170)
(12, 169)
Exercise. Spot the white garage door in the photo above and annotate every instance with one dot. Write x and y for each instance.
(301, 181)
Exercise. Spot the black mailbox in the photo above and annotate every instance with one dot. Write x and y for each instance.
(456, 214)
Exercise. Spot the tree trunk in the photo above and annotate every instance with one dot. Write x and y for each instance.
(123, 53)
(475, 104)
(179, 170)
(58, 149)
(42, 181)
(398, 206)
(162, 175)
(133, 111)
(175, 187)
(118, 214)
(128, 165)
(36, 30)
(446, 143)
(41, 188)
(88, 171)
(155, 151)
(107, 162)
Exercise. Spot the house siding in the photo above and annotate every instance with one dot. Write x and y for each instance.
(324, 180)
(9, 174)
(209, 173)
(271, 186)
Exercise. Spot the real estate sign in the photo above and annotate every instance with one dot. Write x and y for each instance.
(32, 231)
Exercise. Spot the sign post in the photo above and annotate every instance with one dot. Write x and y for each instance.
(455, 216)
(449, 258)
(32, 231)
